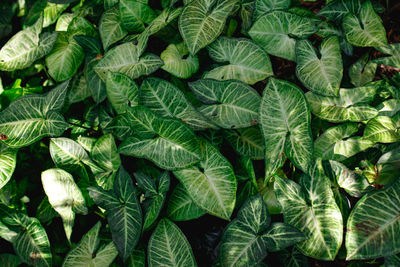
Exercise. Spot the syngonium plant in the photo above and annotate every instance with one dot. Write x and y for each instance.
(138, 122)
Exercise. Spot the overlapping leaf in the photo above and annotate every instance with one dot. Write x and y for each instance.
(8, 161)
(122, 91)
(176, 62)
(181, 207)
(110, 27)
(246, 142)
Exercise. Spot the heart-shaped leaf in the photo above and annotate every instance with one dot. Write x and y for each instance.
(122, 91)
(135, 14)
(110, 27)
(178, 61)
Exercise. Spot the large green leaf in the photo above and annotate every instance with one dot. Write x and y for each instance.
(350, 105)
(229, 104)
(362, 71)
(246, 142)
(8, 160)
(88, 253)
(312, 209)
(176, 62)
(285, 124)
(167, 100)
(124, 214)
(122, 91)
(247, 238)
(373, 225)
(110, 27)
(382, 129)
(212, 183)
(202, 21)
(32, 117)
(277, 32)
(26, 47)
(169, 143)
(64, 196)
(247, 61)
(169, 247)
(135, 14)
(394, 59)
(181, 207)
(126, 59)
(320, 71)
(30, 242)
(366, 29)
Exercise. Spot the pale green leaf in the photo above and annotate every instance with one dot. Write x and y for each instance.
(212, 183)
(350, 105)
(169, 247)
(181, 207)
(320, 71)
(178, 61)
(247, 61)
(88, 253)
(169, 143)
(110, 27)
(285, 124)
(382, 129)
(202, 21)
(366, 29)
(277, 32)
(373, 225)
(105, 154)
(8, 161)
(389, 107)
(32, 117)
(393, 60)
(167, 100)
(312, 209)
(229, 104)
(25, 47)
(64, 196)
(122, 91)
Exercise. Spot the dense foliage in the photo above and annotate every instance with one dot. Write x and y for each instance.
(199, 133)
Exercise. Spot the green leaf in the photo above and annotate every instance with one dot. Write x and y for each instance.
(26, 47)
(166, 16)
(105, 154)
(124, 214)
(32, 117)
(393, 60)
(94, 83)
(137, 258)
(176, 62)
(168, 246)
(337, 9)
(264, 6)
(169, 143)
(167, 100)
(277, 32)
(88, 253)
(211, 184)
(366, 30)
(389, 107)
(126, 59)
(324, 145)
(122, 91)
(373, 225)
(135, 14)
(350, 105)
(229, 104)
(30, 242)
(285, 124)
(64, 196)
(392, 261)
(312, 209)
(202, 21)
(347, 148)
(362, 71)
(181, 207)
(10, 260)
(8, 161)
(294, 258)
(110, 27)
(382, 129)
(247, 61)
(246, 142)
(247, 238)
(321, 73)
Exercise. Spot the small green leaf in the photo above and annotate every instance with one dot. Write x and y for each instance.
(264, 6)
(135, 14)
(168, 246)
(393, 60)
(104, 153)
(111, 30)
(362, 71)
(246, 142)
(178, 61)
(122, 91)
(382, 129)
(8, 161)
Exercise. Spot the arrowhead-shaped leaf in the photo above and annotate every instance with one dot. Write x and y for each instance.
(168, 246)
(176, 63)
(212, 184)
(311, 208)
(285, 124)
(110, 27)
(202, 21)
(135, 14)
(321, 73)
(64, 196)
(247, 61)
(122, 91)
